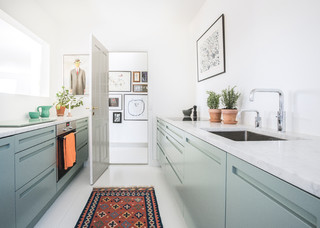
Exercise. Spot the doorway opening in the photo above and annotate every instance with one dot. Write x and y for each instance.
(128, 107)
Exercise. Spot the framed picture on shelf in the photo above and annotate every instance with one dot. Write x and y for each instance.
(136, 76)
(119, 81)
(136, 107)
(211, 51)
(117, 117)
(140, 88)
(144, 76)
(115, 101)
(75, 73)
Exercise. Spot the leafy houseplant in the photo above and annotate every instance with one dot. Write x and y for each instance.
(213, 102)
(229, 99)
(66, 100)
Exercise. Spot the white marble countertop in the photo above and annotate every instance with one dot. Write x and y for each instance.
(7, 131)
(296, 160)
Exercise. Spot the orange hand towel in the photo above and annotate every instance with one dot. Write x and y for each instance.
(69, 150)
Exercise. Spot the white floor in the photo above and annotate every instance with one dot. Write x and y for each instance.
(65, 211)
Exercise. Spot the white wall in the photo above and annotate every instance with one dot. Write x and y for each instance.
(269, 44)
(32, 17)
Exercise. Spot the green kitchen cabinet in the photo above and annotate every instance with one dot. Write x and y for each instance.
(82, 140)
(204, 184)
(82, 132)
(170, 154)
(7, 197)
(256, 198)
(35, 174)
(34, 196)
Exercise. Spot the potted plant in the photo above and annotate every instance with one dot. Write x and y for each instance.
(66, 100)
(213, 102)
(229, 99)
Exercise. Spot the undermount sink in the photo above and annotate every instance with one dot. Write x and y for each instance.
(246, 136)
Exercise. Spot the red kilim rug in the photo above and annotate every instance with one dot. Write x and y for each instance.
(121, 207)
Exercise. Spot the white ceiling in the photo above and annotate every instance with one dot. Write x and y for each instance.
(100, 11)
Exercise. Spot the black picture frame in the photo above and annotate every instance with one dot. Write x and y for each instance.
(211, 59)
(117, 117)
(144, 77)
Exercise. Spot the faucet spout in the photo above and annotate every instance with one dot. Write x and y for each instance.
(281, 113)
(257, 118)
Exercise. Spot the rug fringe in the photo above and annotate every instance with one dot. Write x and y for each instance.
(131, 188)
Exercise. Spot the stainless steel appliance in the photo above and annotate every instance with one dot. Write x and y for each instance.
(63, 130)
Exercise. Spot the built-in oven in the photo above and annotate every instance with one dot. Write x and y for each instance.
(63, 130)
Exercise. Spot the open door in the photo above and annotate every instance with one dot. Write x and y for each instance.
(98, 120)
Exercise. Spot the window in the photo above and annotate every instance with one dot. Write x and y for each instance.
(24, 60)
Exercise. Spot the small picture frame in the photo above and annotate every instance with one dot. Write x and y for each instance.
(115, 102)
(117, 117)
(140, 88)
(136, 76)
(144, 76)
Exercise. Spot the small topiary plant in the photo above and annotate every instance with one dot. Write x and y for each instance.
(230, 97)
(213, 100)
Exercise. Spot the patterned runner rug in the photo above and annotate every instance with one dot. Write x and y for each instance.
(121, 207)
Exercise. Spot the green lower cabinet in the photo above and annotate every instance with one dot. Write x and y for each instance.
(34, 196)
(204, 184)
(7, 205)
(174, 181)
(258, 199)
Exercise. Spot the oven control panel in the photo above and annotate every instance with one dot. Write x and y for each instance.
(65, 127)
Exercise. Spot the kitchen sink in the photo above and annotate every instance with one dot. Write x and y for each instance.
(246, 136)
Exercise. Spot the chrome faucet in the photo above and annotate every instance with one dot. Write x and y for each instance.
(281, 117)
(257, 122)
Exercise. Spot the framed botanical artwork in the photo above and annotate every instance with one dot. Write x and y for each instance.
(136, 107)
(144, 76)
(119, 81)
(115, 101)
(75, 73)
(117, 117)
(211, 51)
(141, 88)
(136, 76)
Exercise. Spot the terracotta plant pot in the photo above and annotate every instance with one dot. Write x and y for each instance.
(215, 115)
(229, 116)
(60, 112)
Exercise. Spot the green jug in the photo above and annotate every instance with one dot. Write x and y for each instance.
(44, 111)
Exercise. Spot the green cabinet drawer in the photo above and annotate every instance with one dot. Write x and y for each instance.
(34, 196)
(204, 184)
(81, 136)
(7, 197)
(256, 198)
(31, 162)
(174, 182)
(161, 155)
(82, 122)
(161, 137)
(29, 139)
(82, 153)
(161, 124)
(175, 152)
(175, 133)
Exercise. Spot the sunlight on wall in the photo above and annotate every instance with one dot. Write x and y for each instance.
(24, 61)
